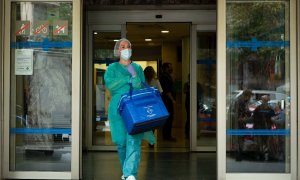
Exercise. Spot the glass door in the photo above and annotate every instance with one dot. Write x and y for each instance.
(42, 90)
(258, 109)
(204, 83)
(102, 41)
(174, 49)
(181, 59)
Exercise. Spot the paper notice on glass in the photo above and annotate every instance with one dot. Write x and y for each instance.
(24, 61)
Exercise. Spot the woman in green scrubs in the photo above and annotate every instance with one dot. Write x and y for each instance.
(117, 78)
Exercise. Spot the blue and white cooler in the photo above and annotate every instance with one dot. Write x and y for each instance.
(142, 110)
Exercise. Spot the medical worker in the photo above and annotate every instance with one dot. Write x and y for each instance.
(117, 78)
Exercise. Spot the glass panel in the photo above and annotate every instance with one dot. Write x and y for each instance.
(103, 45)
(206, 88)
(258, 86)
(41, 90)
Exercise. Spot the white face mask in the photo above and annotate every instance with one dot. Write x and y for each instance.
(126, 54)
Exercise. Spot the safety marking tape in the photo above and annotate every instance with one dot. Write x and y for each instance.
(258, 132)
(254, 44)
(40, 131)
(45, 45)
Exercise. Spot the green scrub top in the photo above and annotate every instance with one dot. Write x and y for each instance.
(117, 80)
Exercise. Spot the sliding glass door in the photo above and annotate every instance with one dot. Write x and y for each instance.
(259, 114)
(101, 42)
(42, 89)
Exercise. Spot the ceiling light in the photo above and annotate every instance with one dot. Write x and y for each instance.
(95, 32)
(148, 39)
(116, 40)
(164, 31)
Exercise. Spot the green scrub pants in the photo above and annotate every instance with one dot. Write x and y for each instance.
(130, 154)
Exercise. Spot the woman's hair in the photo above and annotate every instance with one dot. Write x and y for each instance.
(149, 73)
(117, 45)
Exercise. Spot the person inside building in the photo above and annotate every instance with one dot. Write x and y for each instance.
(117, 78)
(151, 80)
(186, 90)
(168, 97)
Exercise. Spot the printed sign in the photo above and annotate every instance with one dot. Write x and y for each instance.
(60, 27)
(22, 28)
(40, 27)
(24, 61)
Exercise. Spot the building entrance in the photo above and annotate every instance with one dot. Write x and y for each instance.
(43, 81)
(153, 47)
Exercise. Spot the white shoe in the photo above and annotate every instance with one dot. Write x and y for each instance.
(130, 178)
(122, 177)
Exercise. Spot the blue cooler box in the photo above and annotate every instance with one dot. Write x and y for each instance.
(142, 110)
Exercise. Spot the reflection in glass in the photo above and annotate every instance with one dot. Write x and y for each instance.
(206, 88)
(258, 110)
(103, 44)
(41, 89)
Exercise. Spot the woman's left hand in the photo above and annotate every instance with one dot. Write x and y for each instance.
(131, 70)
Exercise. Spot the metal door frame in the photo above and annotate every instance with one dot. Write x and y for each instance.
(75, 172)
(298, 77)
(193, 72)
(1, 83)
(221, 101)
(89, 82)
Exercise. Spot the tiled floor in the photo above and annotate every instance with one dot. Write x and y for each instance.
(167, 161)
(155, 165)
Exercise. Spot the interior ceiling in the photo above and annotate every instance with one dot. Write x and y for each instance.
(138, 32)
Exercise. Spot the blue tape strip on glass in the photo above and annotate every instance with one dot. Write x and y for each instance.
(254, 44)
(45, 45)
(206, 61)
(258, 132)
(40, 130)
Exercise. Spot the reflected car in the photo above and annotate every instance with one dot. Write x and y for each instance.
(276, 98)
